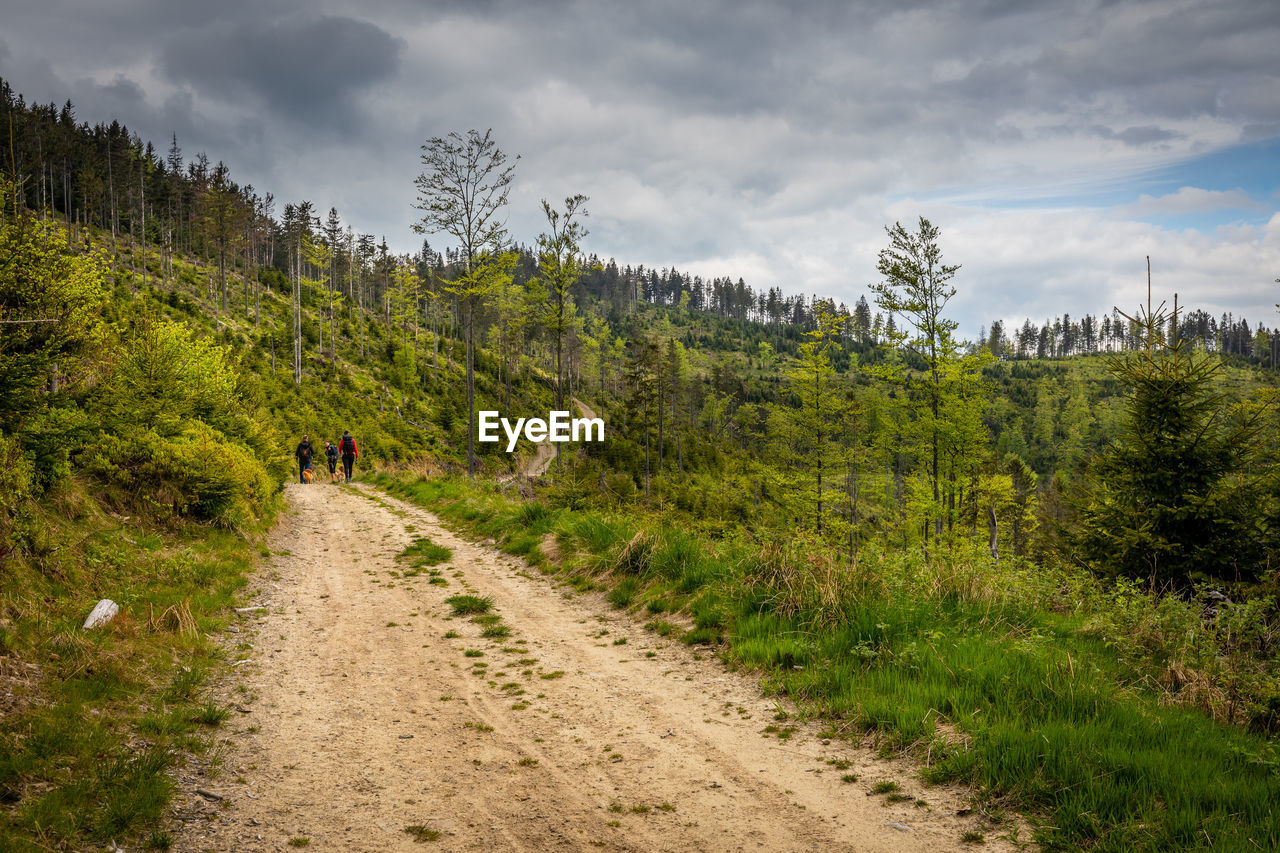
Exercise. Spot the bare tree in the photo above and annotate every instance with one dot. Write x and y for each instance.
(464, 185)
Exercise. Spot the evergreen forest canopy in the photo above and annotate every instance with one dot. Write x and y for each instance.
(165, 337)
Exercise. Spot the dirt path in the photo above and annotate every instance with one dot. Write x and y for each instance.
(543, 456)
(366, 708)
(545, 452)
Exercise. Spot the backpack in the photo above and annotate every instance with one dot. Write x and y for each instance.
(348, 445)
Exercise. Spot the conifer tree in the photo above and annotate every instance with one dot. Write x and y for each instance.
(813, 427)
(917, 288)
(1176, 497)
(641, 376)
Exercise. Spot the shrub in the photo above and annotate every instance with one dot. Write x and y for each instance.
(197, 473)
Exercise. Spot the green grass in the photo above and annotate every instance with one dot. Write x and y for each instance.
(661, 627)
(86, 751)
(465, 605)
(424, 552)
(624, 593)
(422, 834)
(210, 714)
(1042, 713)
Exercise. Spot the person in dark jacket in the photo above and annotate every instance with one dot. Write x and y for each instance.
(347, 447)
(304, 453)
(331, 456)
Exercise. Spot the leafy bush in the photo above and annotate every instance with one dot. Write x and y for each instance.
(53, 300)
(196, 473)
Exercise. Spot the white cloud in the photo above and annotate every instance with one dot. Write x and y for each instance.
(1188, 200)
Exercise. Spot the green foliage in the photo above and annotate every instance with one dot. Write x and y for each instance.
(198, 472)
(464, 605)
(1178, 496)
(818, 433)
(404, 367)
(938, 405)
(16, 478)
(53, 301)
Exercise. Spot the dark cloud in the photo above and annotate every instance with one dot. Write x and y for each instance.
(1147, 135)
(310, 70)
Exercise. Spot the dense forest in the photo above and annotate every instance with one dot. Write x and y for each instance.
(1107, 483)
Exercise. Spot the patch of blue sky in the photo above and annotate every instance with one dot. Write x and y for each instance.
(1237, 185)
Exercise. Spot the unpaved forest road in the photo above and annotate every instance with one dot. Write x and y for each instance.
(356, 718)
(544, 452)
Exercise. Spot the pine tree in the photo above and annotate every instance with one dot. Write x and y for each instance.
(1176, 497)
(641, 376)
(814, 426)
(559, 268)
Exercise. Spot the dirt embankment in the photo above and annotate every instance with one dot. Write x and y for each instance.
(369, 718)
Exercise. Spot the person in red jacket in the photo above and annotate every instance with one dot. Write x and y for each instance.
(347, 447)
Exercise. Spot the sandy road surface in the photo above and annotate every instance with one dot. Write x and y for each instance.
(356, 717)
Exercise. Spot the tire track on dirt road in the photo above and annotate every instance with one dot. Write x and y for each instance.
(358, 718)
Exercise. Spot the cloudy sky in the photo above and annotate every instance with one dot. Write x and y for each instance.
(1056, 143)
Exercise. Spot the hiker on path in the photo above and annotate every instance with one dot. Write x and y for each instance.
(304, 453)
(331, 455)
(347, 446)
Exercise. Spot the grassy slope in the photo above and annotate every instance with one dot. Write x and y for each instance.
(99, 716)
(1039, 712)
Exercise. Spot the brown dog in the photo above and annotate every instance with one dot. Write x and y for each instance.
(308, 476)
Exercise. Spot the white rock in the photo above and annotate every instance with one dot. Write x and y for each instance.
(103, 612)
